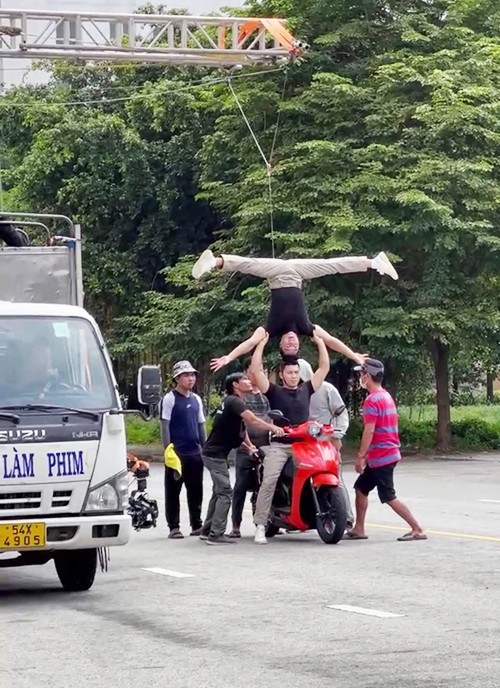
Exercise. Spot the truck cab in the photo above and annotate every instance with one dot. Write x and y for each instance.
(63, 471)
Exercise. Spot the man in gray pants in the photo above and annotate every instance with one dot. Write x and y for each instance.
(245, 462)
(328, 408)
(288, 318)
(228, 432)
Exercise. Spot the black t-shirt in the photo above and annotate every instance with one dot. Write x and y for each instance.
(228, 429)
(288, 313)
(293, 403)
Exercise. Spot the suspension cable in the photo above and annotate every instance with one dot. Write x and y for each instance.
(267, 163)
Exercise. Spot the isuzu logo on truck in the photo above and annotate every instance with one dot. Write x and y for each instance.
(22, 435)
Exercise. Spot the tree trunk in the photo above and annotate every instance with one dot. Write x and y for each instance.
(490, 393)
(391, 379)
(440, 360)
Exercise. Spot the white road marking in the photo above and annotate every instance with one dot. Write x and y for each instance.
(363, 610)
(490, 501)
(172, 574)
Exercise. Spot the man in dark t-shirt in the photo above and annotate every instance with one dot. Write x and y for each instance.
(288, 318)
(228, 432)
(244, 461)
(183, 426)
(292, 399)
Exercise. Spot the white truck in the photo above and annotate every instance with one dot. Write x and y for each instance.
(63, 470)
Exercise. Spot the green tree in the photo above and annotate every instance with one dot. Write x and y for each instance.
(124, 166)
(386, 138)
(393, 146)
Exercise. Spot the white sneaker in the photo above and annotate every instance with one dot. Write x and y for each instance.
(205, 263)
(260, 536)
(383, 266)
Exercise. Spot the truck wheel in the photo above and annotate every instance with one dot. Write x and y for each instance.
(76, 568)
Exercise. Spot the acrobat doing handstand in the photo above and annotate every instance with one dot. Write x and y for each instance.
(288, 318)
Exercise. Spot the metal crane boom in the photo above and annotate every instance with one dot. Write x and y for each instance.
(155, 38)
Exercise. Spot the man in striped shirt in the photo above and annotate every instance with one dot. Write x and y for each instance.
(379, 453)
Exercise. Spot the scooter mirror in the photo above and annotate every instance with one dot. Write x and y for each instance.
(275, 414)
(278, 418)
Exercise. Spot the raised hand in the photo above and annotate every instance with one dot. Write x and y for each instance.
(265, 339)
(219, 363)
(361, 358)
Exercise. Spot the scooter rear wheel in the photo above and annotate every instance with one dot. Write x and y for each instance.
(332, 522)
(271, 531)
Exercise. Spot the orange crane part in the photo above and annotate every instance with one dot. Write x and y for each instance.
(160, 38)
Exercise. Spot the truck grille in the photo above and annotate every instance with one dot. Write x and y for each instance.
(20, 500)
(61, 498)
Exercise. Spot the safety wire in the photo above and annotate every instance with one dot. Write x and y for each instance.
(201, 83)
(268, 163)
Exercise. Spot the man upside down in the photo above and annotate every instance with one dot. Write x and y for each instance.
(288, 318)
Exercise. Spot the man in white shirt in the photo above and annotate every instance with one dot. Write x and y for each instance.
(328, 408)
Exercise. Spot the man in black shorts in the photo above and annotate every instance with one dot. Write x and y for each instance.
(288, 318)
(228, 432)
(379, 454)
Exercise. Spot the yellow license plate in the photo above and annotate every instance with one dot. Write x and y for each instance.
(22, 535)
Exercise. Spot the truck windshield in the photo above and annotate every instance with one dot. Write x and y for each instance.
(53, 360)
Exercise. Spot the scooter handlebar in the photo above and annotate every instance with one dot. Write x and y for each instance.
(310, 428)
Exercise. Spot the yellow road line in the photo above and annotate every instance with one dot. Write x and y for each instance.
(443, 533)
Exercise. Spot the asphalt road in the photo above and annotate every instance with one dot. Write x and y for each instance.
(251, 616)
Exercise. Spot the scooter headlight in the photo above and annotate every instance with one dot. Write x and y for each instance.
(314, 430)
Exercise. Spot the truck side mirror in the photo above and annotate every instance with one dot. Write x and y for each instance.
(149, 385)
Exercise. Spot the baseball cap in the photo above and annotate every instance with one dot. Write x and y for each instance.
(182, 367)
(306, 371)
(371, 366)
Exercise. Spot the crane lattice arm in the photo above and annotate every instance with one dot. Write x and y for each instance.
(169, 39)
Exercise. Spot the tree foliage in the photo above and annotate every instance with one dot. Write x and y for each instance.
(387, 137)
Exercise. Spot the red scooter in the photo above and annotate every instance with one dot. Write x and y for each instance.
(308, 495)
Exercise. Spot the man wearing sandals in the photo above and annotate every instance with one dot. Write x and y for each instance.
(379, 454)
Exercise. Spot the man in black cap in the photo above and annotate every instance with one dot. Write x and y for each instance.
(379, 453)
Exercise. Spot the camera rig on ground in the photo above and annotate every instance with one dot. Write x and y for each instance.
(142, 509)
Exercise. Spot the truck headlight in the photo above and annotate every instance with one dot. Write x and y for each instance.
(109, 496)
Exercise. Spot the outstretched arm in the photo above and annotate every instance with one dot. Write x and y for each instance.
(324, 363)
(257, 375)
(336, 345)
(242, 349)
(260, 424)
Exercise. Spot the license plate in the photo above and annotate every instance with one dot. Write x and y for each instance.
(22, 535)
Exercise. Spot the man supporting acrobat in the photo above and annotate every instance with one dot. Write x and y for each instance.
(288, 318)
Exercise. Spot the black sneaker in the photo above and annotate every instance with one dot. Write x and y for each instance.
(204, 536)
(220, 540)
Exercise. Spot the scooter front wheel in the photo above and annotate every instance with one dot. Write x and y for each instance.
(271, 530)
(332, 521)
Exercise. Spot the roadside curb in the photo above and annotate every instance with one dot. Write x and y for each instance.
(154, 454)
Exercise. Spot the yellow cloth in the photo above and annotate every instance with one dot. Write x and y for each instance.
(172, 460)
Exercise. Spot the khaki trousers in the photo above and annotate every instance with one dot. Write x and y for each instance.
(290, 273)
(276, 457)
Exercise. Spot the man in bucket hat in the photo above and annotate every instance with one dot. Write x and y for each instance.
(183, 426)
(379, 454)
